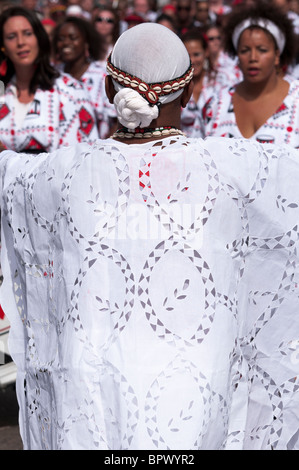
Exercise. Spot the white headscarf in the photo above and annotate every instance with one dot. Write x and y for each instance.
(153, 53)
(263, 23)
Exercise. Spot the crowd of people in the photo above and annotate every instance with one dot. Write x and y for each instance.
(82, 34)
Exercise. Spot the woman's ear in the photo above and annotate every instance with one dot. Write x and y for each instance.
(109, 87)
(187, 93)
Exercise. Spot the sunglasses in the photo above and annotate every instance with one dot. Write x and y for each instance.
(214, 38)
(203, 10)
(106, 20)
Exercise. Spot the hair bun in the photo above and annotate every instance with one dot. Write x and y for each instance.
(133, 110)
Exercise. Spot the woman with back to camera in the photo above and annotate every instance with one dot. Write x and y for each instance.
(42, 108)
(77, 47)
(263, 106)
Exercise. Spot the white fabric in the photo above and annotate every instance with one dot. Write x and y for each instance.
(165, 59)
(153, 294)
(262, 23)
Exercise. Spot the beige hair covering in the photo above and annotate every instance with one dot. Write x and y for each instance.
(153, 53)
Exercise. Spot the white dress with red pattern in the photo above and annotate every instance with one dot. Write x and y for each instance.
(152, 291)
(218, 119)
(57, 117)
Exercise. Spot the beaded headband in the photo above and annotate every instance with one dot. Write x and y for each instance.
(150, 91)
(262, 23)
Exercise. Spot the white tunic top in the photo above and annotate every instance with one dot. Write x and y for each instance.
(152, 292)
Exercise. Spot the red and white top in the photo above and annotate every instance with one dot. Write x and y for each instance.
(55, 118)
(217, 118)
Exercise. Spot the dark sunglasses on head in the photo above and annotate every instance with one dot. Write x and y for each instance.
(184, 8)
(106, 20)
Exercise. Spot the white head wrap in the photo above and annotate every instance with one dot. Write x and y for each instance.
(262, 23)
(154, 54)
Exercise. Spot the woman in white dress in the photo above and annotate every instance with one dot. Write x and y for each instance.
(263, 106)
(40, 108)
(151, 280)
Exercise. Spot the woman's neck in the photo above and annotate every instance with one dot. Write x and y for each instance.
(77, 68)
